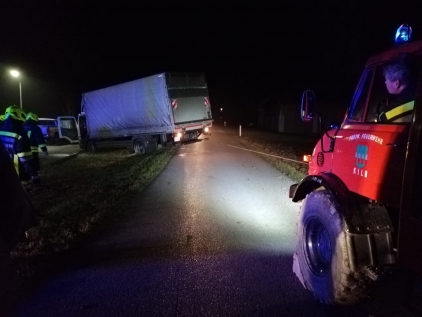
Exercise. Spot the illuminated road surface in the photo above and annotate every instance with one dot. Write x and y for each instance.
(212, 236)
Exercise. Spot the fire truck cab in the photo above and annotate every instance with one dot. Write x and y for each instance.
(361, 213)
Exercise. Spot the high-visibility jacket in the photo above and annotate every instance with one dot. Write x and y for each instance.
(399, 108)
(17, 213)
(401, 113)
(17, 143)
(36, 138)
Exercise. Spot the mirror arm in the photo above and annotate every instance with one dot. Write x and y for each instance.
(332, 139)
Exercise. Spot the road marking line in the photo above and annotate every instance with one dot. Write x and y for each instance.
(284, 158)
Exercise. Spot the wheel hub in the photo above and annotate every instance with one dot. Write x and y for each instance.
(317, 246)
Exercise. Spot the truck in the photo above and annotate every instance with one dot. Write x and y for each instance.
(145, 113)
(61, 128)
(361, 214)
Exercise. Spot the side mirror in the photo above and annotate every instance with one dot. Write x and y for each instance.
(307, 107)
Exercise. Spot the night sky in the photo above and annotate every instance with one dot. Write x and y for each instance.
(249, 51)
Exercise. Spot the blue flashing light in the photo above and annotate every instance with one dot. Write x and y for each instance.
(403, 34)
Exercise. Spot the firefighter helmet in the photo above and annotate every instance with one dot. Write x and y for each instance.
(31, 116)
(2, 117)
(15, 113)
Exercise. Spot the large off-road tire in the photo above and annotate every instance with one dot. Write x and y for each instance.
(321, 261)
(139, 147)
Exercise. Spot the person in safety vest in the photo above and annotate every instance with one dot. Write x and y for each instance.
(16, 142)
(17, 216)
(36, 138)
(400, 79)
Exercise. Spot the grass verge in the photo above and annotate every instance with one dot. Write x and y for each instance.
(295, 171)
(80, 194)
(284, 146)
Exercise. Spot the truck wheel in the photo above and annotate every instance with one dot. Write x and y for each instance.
(91, 146)
(321, 261)
(138, 147)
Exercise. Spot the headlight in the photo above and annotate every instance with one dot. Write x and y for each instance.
(206, 130)
(179, 134)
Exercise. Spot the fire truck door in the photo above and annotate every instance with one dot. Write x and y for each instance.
(409, 250)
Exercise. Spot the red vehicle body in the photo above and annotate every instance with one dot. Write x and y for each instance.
(358, 216)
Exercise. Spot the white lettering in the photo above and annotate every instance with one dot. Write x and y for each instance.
(360, 172)
(354, 137)
(372, 137)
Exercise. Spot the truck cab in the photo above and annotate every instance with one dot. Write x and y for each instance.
(56, 129)
(358, 216)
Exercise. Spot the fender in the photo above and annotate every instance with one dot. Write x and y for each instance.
(361, 216)
(327, 180)
(338, 190)
(367, 225)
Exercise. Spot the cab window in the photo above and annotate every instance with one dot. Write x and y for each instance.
(362, 98)
(378, 96)
(393, 90)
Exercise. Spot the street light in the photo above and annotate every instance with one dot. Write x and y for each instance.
(15, 73)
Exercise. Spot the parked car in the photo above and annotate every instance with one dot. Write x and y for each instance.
(49, 129)
(60, 128)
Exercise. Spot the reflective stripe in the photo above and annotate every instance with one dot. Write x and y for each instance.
(16, 163)
(11, 134)
(29, 134)
(41, 145)
(399, 110)
(24, 154)
(34, 149)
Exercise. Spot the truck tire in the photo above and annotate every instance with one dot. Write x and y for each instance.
(139, 147)
(91, 146)
(321, 260)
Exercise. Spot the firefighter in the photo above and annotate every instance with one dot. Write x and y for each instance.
(17, 216)
(17, 143)
(36, 138)
(400, 80)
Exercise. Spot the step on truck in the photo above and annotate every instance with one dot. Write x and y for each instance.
(361, 212)
(147, 112)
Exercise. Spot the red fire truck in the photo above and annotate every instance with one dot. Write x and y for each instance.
(361, 212)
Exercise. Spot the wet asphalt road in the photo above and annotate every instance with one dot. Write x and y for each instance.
(212, 235)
